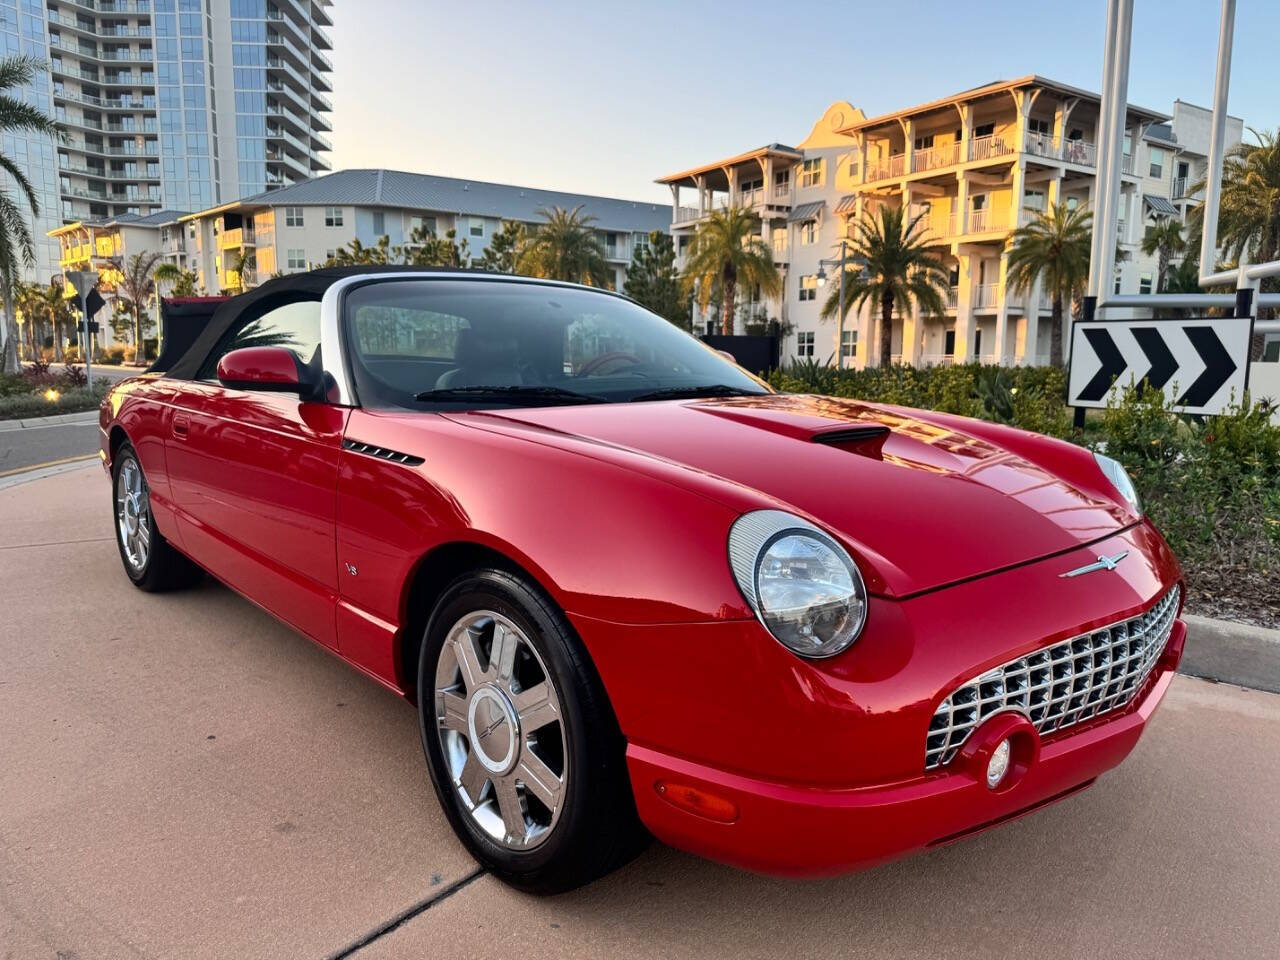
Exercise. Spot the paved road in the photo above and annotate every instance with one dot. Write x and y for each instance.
(181, 776)
(47, 443)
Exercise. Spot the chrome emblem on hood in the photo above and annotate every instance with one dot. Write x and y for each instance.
(1103, 563)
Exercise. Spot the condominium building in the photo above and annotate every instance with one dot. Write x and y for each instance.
(973, 167)
(171, 104)
(103, 244)
(304, 225)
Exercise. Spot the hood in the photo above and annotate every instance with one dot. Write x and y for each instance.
(923, 504)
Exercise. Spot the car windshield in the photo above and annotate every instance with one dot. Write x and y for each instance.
(460, 344)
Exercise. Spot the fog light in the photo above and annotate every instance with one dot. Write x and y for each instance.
(998, 765)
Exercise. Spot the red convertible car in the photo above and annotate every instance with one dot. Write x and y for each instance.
(633, 591)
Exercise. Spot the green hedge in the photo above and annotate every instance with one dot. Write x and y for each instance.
(18, 400)
(1211, 487)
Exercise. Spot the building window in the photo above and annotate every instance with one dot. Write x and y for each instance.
(977, 343)
(333, 216)
(1040, 126)
(297, 260)
(1117, 287)
(1144, 283)
(1128, 145)
(780, 241)
(1072, 202)
(808, 233)
(984, 130)
(379, 223)
(293, 217)
(639, 241)
(781, 183)
(949, 343)
(848, 344)
(1156, 156)
(809, 286)
(804, 344)
(477, 227)
(811, 173)
(1034, 200)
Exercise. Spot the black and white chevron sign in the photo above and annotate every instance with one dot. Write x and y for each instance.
(1199, 363)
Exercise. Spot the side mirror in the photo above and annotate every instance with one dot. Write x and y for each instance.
(728, 356)
(262, 368)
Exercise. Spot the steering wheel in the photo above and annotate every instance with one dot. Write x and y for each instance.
(595, 363)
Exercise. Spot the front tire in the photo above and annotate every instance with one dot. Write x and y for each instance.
(523, 748)
(149, 560)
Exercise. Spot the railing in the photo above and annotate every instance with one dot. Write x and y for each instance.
(985, 295)
(937, 359)
(782, 191)
(886, 168)
(1042, 145)
(986, 220)
(234, 239)
(1126, 163)
(989, 147)
(1179, 188)
(616, 252)
(953, 298)
(749, 198)
(146, 103)
(946, 155)
(1081, 152)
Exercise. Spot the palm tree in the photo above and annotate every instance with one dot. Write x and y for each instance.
(17, 249)
(182, 283)
(135, 286)
(565, 247)
(56, 310)
(1249, 206)
(893, 265)
(1053, 248)
(1164, 239)
(728, 250)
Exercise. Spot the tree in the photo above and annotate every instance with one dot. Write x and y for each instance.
(181, 283)
(892, 265)
(242, 270)
(428, 250)
(17, 249)
(355, 253)
(1249, 207)
(1053, 248)
(56, 311)
(504, 248)
(135, 287)
(1163, 239)
(725, 251)
(565, 247)
(653, 282)
(1184, 277)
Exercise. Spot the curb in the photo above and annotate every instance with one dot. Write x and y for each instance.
(40, 473)
(1228, 652)
(57, 419)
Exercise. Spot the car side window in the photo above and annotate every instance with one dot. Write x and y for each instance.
(294, 326)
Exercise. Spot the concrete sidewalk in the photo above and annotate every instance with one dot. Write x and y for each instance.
(184, 777)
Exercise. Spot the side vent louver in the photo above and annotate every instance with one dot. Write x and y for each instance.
(859, 434)
(382, 453)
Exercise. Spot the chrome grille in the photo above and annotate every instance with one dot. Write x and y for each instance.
(1060, 685)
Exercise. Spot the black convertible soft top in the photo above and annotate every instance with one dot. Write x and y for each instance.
(287, 289)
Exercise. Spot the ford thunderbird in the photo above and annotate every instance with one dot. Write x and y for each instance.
(634, 592)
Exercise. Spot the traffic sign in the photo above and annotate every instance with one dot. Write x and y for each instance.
(1201, 363)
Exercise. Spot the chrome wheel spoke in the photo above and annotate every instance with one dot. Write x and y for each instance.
(473, 778)
(464, 650)
(512, 809)
(452, 711)
(502, 655)
(539, 779)
(536, 707)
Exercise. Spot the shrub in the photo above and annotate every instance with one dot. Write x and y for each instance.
(33, 403)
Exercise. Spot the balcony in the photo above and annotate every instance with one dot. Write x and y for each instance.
(985, 296)
(886, 169)
(989, 147)
(935, 157)
(686, 214)
(987, 220)
(235, 239)
(1179, 190)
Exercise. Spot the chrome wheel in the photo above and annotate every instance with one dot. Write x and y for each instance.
(501, 730)
(133, 515)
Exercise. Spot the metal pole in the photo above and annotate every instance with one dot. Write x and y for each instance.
(1213, 185)
(1115, 146)
(1093, 287)
(840, 313)
(84, 340)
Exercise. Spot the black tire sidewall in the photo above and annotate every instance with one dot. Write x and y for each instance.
(505, 594)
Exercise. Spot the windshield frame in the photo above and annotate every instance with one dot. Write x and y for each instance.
(335, 330)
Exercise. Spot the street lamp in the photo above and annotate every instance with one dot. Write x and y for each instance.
(842, 262)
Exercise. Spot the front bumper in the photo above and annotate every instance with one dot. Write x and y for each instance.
(787, 829)
(742, 752)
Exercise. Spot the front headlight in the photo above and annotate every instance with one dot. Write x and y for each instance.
(804, 587)
(1119, 478)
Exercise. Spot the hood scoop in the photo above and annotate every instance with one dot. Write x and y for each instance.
(866, 438)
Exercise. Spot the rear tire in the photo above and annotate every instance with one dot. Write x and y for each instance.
(150, 562)
(523, 748)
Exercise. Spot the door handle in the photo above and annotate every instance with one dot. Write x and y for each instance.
(181, 424)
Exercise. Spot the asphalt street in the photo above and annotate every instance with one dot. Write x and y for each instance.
(44, 443)
(183, 777)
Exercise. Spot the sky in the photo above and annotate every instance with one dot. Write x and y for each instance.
(603, 97)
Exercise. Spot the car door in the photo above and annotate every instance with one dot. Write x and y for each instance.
(253, 476)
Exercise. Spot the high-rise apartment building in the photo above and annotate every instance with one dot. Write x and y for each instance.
(170, 104)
